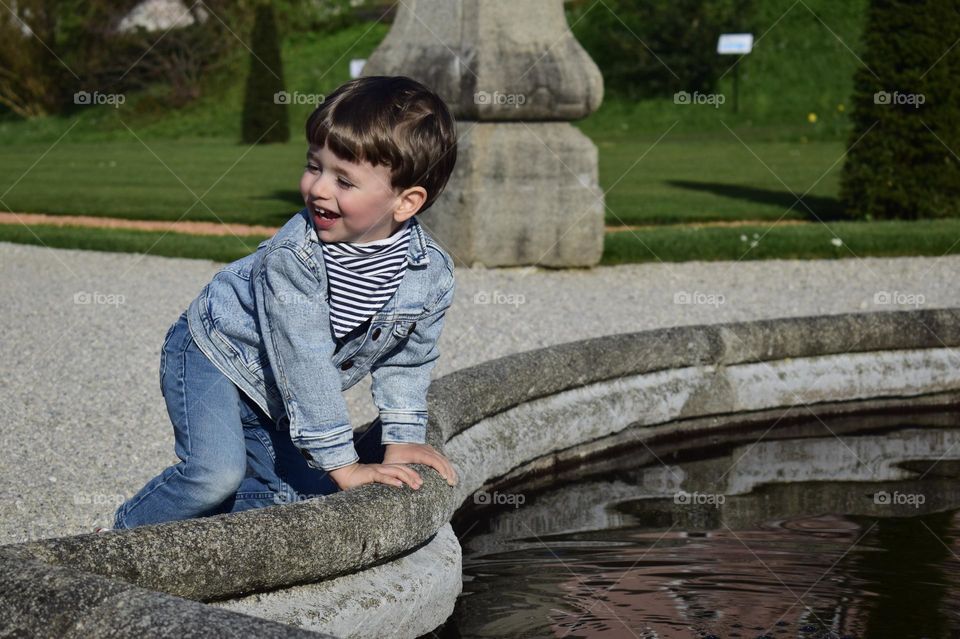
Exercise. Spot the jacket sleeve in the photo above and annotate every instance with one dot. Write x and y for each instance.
(401, 379)
(294, 320)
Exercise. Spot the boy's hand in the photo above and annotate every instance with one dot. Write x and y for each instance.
(420, 454)
(357, 474)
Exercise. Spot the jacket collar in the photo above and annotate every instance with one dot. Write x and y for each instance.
(416, 253)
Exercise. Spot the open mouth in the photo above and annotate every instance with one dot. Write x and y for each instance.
(329, 215)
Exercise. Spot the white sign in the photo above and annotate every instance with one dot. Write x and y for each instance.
(356, 67)
(735, 43)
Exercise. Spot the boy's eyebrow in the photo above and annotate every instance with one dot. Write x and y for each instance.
(336, 167)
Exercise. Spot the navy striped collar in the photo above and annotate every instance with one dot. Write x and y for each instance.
(416, 253)
(362, 277)
(372, 247)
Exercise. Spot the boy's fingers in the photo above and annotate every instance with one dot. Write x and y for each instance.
(435, 460)
(448, 471)
(444, 467)
(408, 472)
(416, 475)
(451, 473)
(384, 478)
(405, 473)
(393, 479)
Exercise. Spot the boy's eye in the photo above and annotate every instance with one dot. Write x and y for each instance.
(313, 168)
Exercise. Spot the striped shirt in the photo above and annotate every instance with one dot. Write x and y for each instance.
(362, 276)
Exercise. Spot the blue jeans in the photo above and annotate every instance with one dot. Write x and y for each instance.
(233, 457)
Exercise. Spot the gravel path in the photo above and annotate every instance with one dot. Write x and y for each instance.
(86, 425)
(221, 228)
(178, 226)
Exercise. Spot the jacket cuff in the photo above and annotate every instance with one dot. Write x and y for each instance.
(403, 427)
(328, 457)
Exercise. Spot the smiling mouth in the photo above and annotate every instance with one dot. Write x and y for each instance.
(325, 213)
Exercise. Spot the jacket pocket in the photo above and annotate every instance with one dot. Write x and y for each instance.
(402, 326)
(239, 338)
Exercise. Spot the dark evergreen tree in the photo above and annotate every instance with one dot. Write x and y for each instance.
(904, 152)
(265, 102)
(657, 47)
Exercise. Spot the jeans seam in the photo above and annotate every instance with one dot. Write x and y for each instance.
(182, 360)
(283, 487)
(166, 340)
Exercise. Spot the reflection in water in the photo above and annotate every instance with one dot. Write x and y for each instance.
(806, 536)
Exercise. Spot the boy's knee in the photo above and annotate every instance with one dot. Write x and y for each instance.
(217, 483)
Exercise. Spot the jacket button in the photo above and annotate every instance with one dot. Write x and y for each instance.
(347, 364)
(376, 333)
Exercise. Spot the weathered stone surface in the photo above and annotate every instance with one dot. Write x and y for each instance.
(279, 545)
(525, 189)
(529, 410)
(521, 193)
(492, 60)
(750, 455)
(406, 597)
(500, 384)
(512, 438)
(39, 600)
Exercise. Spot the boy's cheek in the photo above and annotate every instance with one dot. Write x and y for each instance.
(304, 186)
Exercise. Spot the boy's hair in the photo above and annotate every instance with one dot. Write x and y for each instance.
(391, 121)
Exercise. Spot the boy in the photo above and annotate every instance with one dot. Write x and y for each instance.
(252, 372)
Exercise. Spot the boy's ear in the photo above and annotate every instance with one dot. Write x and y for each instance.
(410, 201)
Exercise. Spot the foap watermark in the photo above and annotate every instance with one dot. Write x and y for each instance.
(286, 97)
(499, 99)
(497, 297)
(699, 297)
(898, 298)
(896, 498)
(686, 97)
(292, 298)
(896, 98)
(87, 98)
(97, 499)
(293, 496)
(483, 498)
(683, 498)
(107, 299)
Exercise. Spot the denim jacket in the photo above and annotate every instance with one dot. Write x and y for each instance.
(264, 321)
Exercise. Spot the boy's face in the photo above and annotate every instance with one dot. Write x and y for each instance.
(357, 199)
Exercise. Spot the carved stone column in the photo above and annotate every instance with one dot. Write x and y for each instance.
(525, 190)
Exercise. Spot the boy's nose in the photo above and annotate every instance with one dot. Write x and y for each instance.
(320, 189)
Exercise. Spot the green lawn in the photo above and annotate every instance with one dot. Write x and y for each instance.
(216, 248)
(200, 179)
(660, 163)
(679, 179)
(684, 178)
(666, 244)
(811, 241)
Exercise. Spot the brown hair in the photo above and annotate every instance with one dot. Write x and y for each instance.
(391, 121)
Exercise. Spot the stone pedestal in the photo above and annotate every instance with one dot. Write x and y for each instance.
(525, 189)
(521, 193)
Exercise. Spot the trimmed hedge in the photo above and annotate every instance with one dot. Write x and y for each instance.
(902, 157)
(264, 107)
